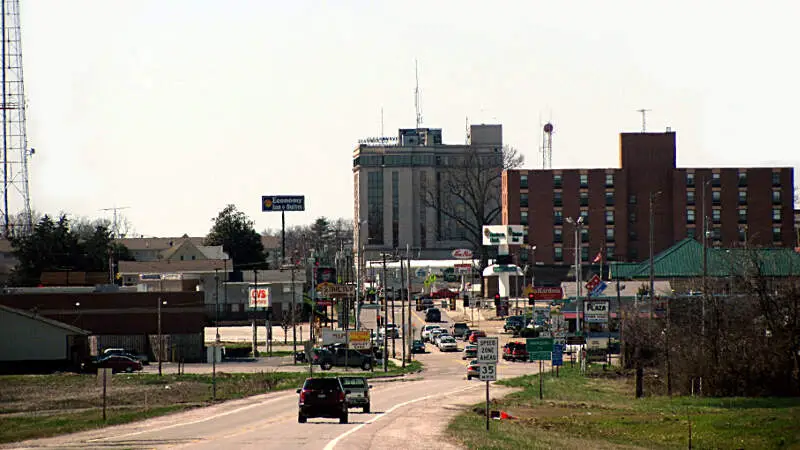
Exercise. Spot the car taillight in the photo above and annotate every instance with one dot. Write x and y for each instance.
(302, 396)
(341, 396)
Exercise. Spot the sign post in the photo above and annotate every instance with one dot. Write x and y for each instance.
(539, 349)
(283, 203)
(487, 365)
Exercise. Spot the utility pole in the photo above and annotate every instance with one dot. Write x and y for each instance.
(653, 196)
(410, 339)
(114, 226)
(402, 312)
(160, 337)
(294, 318)
(385, 316)
(216, 340)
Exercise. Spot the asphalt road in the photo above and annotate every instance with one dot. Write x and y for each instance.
(418, 405)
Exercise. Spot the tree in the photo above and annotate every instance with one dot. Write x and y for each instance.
(467, 194)
(234, 231)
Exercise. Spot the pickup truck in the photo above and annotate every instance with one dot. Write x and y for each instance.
(358, 392)
(340, 357)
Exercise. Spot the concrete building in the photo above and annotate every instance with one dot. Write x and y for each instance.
(392, 176)
(742, 204)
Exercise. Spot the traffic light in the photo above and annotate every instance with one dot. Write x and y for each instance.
(531, 300)
(496, 299)
(466, 301)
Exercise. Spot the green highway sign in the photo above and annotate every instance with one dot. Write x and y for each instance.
(539, 349)
(539, 356)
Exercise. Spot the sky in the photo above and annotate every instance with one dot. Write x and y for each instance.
(177, 108)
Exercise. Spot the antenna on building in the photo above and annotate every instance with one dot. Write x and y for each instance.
(114, 228)
(644, 119)
(382, 123)
(416, 95)
(547, 146)
(466, 130)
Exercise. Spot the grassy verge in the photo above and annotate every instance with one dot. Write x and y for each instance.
(35, 406)
(600, 411)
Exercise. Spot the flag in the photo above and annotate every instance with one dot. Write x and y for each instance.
(597, 258)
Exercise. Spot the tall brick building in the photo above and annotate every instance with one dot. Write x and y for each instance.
(745, 204)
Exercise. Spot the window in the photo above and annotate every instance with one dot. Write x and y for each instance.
(690, 216)
(776, 234)
(690, 179)
(715, 181)
(523, 218)
(584, 235)
(585, 214)
(690, 197)
(609, 180)
(716, 234)
(716, 215)
(584, 180)
(742, 197)
(523, 255)
(610, 252)
(742, 234)
(776, 179)
(557, 181)
(776, 214)
(557, 200)
(609, 199)
(609, 235)
(632, 199)
(716, 197)
(558, 218)
(632, 235)
(743, 215)
(609, 217)
(632, 217)
(375, 208)
(395, 209)
(558, 254)
(742, 178)
(584, 253)
(776, 197)
(584, 198)
(523, 200)
(523, 182)
(690, 232)
(558, 235)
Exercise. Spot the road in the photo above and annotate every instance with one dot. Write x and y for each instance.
(418, 405)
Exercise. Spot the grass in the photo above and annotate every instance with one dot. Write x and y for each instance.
(600, 411)
(36, 406)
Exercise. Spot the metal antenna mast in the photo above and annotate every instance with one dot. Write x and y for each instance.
(15, 142)
(644, 121)
(547, 146)
(416, 95)
(114, 224)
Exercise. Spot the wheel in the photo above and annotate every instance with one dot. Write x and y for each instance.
(301, 418)
(343, 419)
(469, 377)
(326, 366)
(366, 365)
(366, 409)
(129, 369)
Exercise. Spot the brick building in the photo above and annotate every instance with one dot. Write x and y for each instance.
(745, 204)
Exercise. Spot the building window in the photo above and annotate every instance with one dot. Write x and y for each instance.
(610, 252)
(584, 181)
(584, 198)
(523, 217)
(609, 180)
(776, 179)
(742, 178)
(609, 217)
(632, 236)
(557, 181)
(689, 179)
(690, 232)
(716, 197)
(423, 210)
(716, 215)
(557, 200)
(690, 217)
(585, 214)
(632, 199)
(523, 182)
(776, 214)
(558, 218)
(609, 199)
(558, 235)
(715, 181)
(776, 197)
(716, 234)
(743, 215)
(375, 208)
(742, 197)
(584, 235)
(395, 209)
(690, 197)
(558, 254)
(776, 234)
(610, 235)
(632, 217)
(584, 253)
(523, 200)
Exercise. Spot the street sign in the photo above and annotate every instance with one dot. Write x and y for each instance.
(539, 349)
(487, 371)
(504, 234)
(511, 268)
(259, 298)
(558, 355)
(487, 350)
(283, 203)
(598, 289)
(336, 290)
(596, 311)
(359, 339)
(462, 253)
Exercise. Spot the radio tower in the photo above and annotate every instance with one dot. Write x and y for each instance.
(15, 143)
(547, 146)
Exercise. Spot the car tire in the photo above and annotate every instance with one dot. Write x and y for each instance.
(326, 366)
(343, 418)
(366, 366)
(129, 369)
(469, 377)
(301, 418)
(366, 409)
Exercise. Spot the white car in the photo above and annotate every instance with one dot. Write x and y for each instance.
(435, 335)
(426, 331)
(439, 336)
(448, 344)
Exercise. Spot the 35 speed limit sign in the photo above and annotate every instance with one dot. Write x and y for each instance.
(487, 372)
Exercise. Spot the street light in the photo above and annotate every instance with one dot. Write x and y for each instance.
(160, 340)
(578, 226)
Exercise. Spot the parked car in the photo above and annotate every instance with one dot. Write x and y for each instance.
(117, 363)
(470, 351)
(433, 315)
(357, 389)
(448, 344)
(515, 351)
(418, 347)
(129, 353)
(459, 330)
(342, 356)
(473, 369)
(475, 334)
(426, 331)
(322, 397)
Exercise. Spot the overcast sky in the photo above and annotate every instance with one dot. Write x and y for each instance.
(177, 108)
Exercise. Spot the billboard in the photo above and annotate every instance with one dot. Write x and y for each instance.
(596, 311)
(547, 293)
(259, 298)
(283, 203)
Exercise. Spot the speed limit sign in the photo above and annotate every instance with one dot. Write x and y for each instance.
(487, 372)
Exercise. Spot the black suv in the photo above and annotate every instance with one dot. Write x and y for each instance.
(322, 397)
(340, 357)
(433, 315)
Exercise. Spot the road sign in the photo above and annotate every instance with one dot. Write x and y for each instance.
(335, 290)
(499, 269)
(359, 339)
(283, 203)
(259, 298)
(487, 350)
(596, 311)
(558, 355)
(487, 371)
(539, 349)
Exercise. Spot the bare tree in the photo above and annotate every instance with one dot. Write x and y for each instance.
(467, 194)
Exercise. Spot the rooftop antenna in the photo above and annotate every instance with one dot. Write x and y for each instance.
(114, 224)
(547, 146)
(644, 120)
(382, 122)
(466, 130)
(416, 95)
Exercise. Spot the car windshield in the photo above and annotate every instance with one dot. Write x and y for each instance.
(322, 384)
(353, 382)
(448, 339)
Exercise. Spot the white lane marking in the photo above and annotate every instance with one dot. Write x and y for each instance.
(333, 443)
(182, 424)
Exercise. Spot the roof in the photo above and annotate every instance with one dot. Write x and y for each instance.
(156, 243)
(45, 320)
(164, 266)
